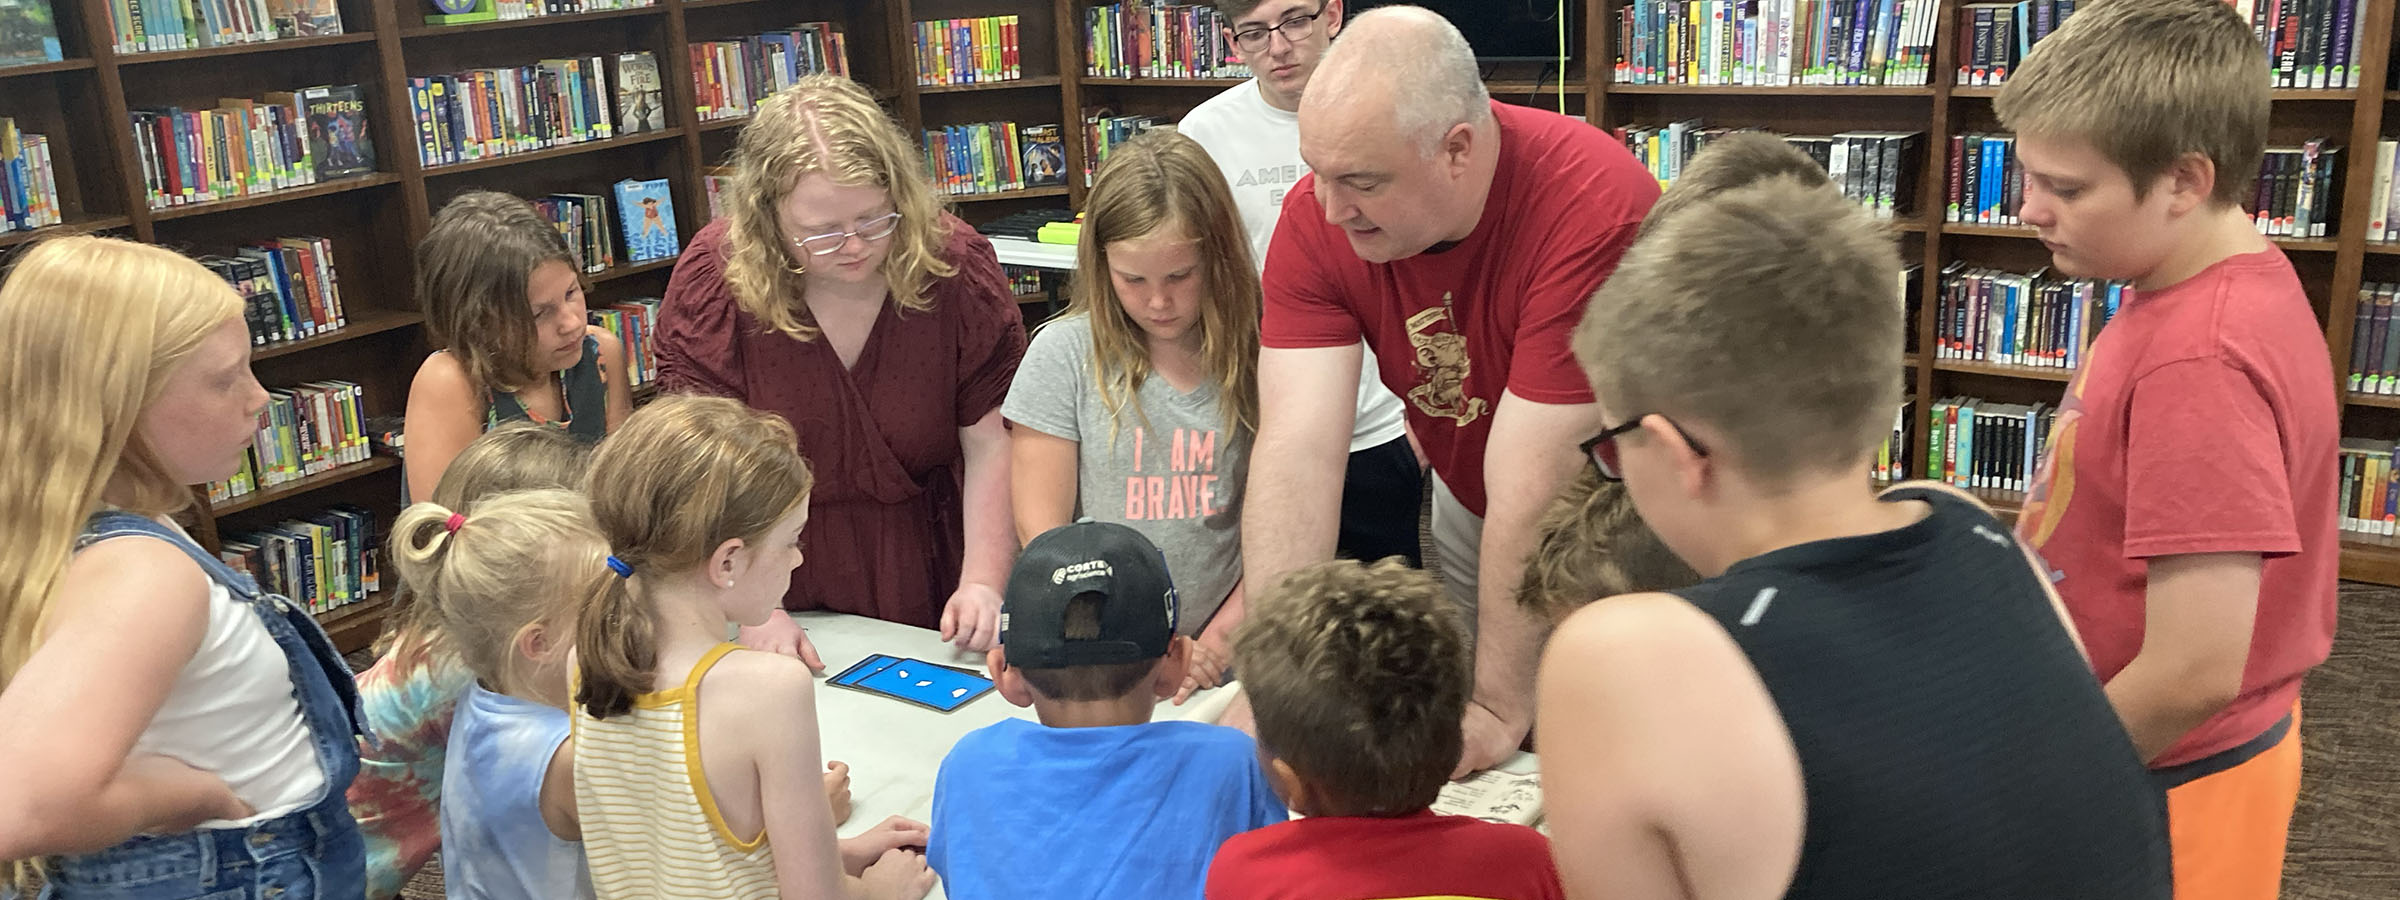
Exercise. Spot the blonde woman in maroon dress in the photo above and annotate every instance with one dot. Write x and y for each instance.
(837, 293)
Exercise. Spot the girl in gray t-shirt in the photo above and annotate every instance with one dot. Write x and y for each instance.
(1136, 406)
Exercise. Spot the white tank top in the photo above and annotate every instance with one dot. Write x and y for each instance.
(233, 712)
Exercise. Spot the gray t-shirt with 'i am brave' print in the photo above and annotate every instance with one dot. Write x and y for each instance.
(1169, 469)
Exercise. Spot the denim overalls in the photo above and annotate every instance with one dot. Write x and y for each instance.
(308, 854)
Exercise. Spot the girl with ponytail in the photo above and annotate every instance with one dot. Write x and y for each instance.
(696, 762)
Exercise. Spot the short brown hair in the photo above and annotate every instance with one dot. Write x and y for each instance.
(2145, 82)
(1771, 312)
(1593, 545)
(472, 268)
(1107, 681)
(1358, 677)
(1233, 10)
(1741, 158)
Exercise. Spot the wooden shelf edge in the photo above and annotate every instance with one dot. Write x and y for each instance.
(1794, 90)
(355, 626)
(1053, 191)
(336, 186)
(1010, 84)
(2003, 370)
(274, 46)
(409, 32)
(628, 270)
(2278, 94)
(2381, 400)
(288, 489)
(2383, 248)
(45, 68)
(1219, 83)
(361, 325)
(575, 149)
(1513, 87)
(2023, 232)
(73, 226)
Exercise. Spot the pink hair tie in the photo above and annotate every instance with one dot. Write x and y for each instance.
(455, 520)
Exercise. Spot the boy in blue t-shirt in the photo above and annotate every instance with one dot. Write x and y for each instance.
(1096, 800)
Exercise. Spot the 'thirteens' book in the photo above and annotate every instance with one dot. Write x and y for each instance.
(337, 131)
(1045, 156)
(648, 216)
(28, 33)
(641, 98)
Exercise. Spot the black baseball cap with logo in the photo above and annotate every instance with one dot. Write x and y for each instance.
(1137, 611)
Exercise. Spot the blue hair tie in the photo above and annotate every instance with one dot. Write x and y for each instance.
(619, 566)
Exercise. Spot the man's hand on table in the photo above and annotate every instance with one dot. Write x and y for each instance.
(1211, 659)
(971, 619)
(779, 634)
(1491, 738)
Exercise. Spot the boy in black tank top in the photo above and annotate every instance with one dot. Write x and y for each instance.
(1870, 696)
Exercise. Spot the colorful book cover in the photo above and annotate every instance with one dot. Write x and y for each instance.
(648, 217)
(1045, 156)
(28, 33)
(641, 97)
(337, 131)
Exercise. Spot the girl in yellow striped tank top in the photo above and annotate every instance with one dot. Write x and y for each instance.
(696, 762)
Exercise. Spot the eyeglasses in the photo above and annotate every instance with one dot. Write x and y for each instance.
(1601, 449)
(875, 229)
(1253, 40)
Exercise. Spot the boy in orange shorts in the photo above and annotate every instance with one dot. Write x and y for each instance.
(2186, 503)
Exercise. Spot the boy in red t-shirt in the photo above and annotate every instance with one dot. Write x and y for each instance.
(2186, 503)
(1358, 678)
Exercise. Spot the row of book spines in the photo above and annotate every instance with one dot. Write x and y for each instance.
(479, 113)
(2310, 44)
(246, 147)
(2021, 320)
(631, 322)
(1891, 457)
(305, 430)
(324, 562)
(2370, 486)
(2296, 192)
(1103, 132)
(1878, 169)
(977, 158)
(28, 180)
(731, 77)
(1138, 41)
(513, 10)
(153, 26)
(1974, 443)
(1813, 42)
(288, 287)
(1994, 37)
(968, 51)
(2374, 343)
(583, 220)
(2385, 199)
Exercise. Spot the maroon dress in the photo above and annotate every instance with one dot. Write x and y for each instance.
(884, 533)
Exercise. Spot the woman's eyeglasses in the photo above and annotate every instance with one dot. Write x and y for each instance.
(875, 229)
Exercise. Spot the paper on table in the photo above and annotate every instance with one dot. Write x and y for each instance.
(1494, 796)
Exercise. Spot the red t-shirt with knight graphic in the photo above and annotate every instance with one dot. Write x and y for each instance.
(2203, 421)
(1453, 328)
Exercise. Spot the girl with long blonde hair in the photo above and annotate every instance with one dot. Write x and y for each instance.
(838, 294)
(695, 760)
(1137, 405)
(170, 730)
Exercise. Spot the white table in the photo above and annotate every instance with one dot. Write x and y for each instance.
(1022, 252)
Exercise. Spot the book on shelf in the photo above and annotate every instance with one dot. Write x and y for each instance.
(484, 113)
(1104, 129)
(729, 77)
(714, 181)
(641, 96)
(153, 26)
(1878, 169)
(2020, 319)
(289, 288)
(1994, 37)
(583, 220)
(968, 51)
(304, 430)
(28, 180)
(2298, 191)
(2370, 485)
(28, 33)
(245, 146)
(1138, 40)
(632, 321)
(2374, 343)
(337, 130)
(1775, 42)
(304, 18)
(388, 435)
(1045, 156)
(514, 10)
(647, 216)
(1891, 457)
(1972, 443)
(2309, 45)
(324, 561)
(1984, 185)
(978, 158)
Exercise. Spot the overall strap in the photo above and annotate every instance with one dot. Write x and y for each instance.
(116, 523)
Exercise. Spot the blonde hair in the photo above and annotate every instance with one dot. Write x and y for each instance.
(472, 272)
(516, 456)
(516, 559)
(1161, 180)
(2145, 82)
(829, 124)
(94, 328)
(681, 477)
(1358, 676)
(1770, 312)
(1594, 544)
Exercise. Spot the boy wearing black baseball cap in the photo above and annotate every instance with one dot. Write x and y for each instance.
(1096, 800)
